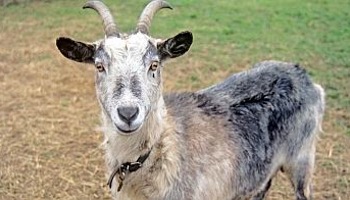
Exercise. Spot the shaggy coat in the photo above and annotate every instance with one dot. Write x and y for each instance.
(225, 142)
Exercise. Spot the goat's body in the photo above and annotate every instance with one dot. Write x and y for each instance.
(227, 141)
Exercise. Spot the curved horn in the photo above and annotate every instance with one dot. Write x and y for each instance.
(147, 14)
(109, 26)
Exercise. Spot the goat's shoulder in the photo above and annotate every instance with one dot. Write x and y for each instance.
(192, 110)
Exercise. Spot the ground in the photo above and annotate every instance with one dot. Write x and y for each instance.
(49, 116)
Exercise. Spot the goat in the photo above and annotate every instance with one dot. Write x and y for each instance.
(224, 142)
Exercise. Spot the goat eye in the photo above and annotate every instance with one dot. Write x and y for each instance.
(100, 67)
(154, 66)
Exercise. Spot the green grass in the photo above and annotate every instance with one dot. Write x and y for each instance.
(227, 33)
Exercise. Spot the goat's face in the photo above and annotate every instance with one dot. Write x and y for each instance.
(128, 73)
(128, 69)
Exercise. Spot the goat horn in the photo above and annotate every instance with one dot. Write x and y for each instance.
(109, 26)
(147, 14)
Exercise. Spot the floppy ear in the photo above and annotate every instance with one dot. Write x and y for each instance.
(74, 50)
(175, 46)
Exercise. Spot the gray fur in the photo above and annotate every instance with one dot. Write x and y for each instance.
(270, 112)
(225, 142)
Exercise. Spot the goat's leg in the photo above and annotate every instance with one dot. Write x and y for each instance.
(300, 173)
(301, 179)
(262, 194)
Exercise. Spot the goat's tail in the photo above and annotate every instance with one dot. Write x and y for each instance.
(321, 105)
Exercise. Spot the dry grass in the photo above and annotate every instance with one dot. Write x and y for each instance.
(49, 146)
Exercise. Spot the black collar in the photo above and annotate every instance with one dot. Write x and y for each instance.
(126, 168)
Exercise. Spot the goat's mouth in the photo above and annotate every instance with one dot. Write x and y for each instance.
(127, 130)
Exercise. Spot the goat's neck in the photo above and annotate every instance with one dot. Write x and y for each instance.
(120, 148)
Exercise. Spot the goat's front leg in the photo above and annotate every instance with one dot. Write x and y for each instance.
(262, 194)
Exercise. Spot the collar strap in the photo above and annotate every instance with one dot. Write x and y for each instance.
(127, 168)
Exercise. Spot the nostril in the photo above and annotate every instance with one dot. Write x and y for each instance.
(128, 114)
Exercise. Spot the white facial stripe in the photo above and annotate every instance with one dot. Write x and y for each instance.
(128, 83)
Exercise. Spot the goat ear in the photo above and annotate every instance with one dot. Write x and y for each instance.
(175, 46)
(74, 50)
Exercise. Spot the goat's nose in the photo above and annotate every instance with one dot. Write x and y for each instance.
(128, 114)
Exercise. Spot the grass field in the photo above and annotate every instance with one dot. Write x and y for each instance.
(49, 143)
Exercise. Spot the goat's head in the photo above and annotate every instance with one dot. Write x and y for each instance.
(128, 68)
